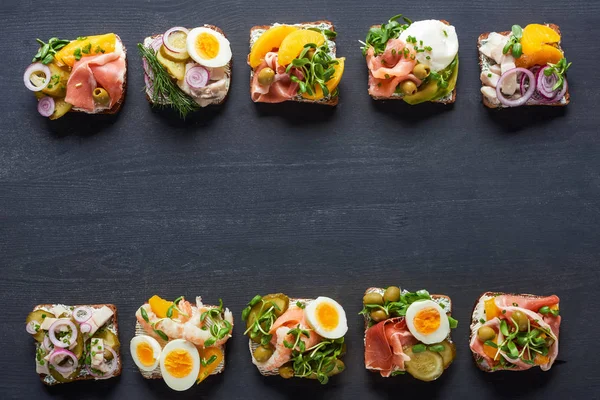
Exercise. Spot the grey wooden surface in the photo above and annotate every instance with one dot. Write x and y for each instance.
(310, 201)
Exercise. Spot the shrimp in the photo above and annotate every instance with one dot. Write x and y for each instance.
(171, 328)
(198, 332)
(280, 356)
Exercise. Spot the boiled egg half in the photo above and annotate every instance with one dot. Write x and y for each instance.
(208, 47)
(427, 321)
(327, 317)
(180, 364)
(434, 34)
(145, 352)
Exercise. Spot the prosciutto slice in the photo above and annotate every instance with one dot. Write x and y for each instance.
(392, 67)
(282, 88)
(384, 344)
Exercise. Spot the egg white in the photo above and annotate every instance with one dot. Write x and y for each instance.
(439, 334)
(444, 46)
(311, 316)
(223, 56)
(156, 350)
(180, 384)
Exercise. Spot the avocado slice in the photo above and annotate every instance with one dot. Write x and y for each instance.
(430, 90)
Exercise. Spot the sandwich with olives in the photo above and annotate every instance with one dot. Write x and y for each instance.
(187, 69)
(412, 61)
(408, 332)
(295, 62)
(88, 74)
(302, 338)
(74, 343)
(515, 332)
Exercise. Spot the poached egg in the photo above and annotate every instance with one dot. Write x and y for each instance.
(441, 38)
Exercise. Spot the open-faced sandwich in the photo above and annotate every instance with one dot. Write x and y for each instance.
(180, 342)
(524, 66)
(87, 74)
(187, 69)
(295, 62)
(412, 61)
(300, 338)
(74, 343)
(515, 332)
(408, 332)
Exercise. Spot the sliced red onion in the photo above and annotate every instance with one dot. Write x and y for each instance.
(82, 314)
(55, 326)
(46, 106)
(84, 327)
(526, 96)
(113, 366)
(32, 69)
(545, 83)
(170, 46)
(561, 93)
(47, 344)
(30, 328)
(197, 77)
(523, 81)
(156, 43)
(65, 370)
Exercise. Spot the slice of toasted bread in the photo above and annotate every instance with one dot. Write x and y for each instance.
(446, 100)
(477, 315)
(228, 69)
(328, 101)
(483, 59)
(114, 321)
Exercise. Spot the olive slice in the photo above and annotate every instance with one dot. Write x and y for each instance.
(425, 366)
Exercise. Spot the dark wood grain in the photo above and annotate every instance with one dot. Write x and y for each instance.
(250, 199)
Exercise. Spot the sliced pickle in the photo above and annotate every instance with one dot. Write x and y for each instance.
(280, 300)
(449, 353)
(38, 316)
(425, 366)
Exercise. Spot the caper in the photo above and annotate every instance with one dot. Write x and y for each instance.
(408, 87)
(373, 298)
(378, 315)
(101, 96)
(486, 333)
(286, 371)
(392, 294)
(521, 319)
(263, 353)
(421, 71)
(266, 76)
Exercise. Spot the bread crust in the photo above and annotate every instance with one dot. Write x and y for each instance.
(333, 101)
(115, 322)
(485, 100)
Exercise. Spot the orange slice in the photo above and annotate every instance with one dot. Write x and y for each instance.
(331, 84)
(294, 43)
(268, 41)
(206, 354)
(491, 309)
(540, 46)
(85, 46)
(160, 307)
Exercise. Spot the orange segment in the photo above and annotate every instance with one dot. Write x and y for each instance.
(86, 46)
(331, 84)
(161, 306)
(490, 351)
(268, 41)
(294, 43)
(539, 46)
(205, 355)
(540, 359)
(491, 309)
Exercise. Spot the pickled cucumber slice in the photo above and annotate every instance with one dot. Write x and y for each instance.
(449, 353)
(425, 366)
(278, 299)
(38, 316)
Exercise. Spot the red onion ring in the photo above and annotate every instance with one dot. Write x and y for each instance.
(32, 69)
(46, 106)
(170, 46)
(30, 328)
(47, 344)
(58, 324)
(526, 96)
(84, 327)
(156, 43)
(82, 314)
(66, 370)
(522, 80)
(111, 371)
(545, 83)
(197, 77)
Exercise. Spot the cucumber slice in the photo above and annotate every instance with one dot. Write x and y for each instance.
(425, 366)
(38, 316)
(448, 354)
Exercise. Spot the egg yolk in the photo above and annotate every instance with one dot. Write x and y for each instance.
(179, 363)
(145, 354)
(327, 316)
(427, 321)
(207, 46)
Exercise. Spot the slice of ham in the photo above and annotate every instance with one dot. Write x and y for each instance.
(384, 344)
(282, 88)
(389, 69)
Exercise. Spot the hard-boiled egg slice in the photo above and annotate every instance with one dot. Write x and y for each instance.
(208, 47)
(145, 351)
(435, 34)
(427, 321)
(180, 364)
(327, 317)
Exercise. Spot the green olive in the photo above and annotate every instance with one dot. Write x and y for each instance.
(373, 298)
(421, 71)
(486, 333)
(286, 371)
(521, 319)
(266, 76)
(101, 97)
(392, 294)
(408, 87)
(263, 353)
(378, 315)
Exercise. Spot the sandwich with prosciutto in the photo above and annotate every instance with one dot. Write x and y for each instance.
(300, 338)
(295, 63)
(412, 61)
(523, 66)
(187, 69)
(511, 332)
(408, 332)
(87, 74)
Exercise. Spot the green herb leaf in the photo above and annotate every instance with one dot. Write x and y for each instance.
(162, 335)
(437, 348)
(144, 314)
(517, 31)
(453, 322)
(491, 344)
(419, 348)
(255, 300)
